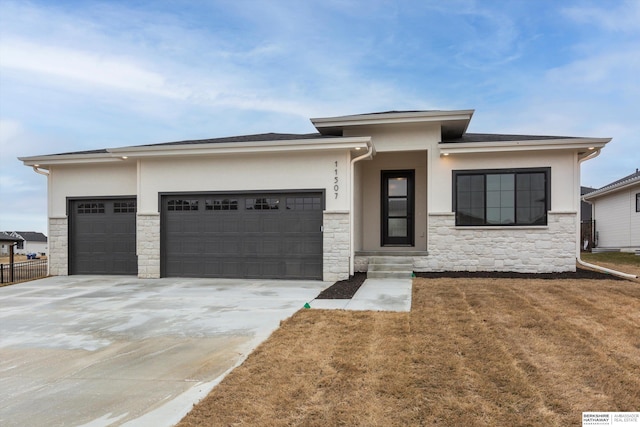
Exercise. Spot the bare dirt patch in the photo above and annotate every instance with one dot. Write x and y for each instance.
(473, 352)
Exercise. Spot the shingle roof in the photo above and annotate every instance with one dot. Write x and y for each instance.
(613, 186)
(266, 137)
(248, 138)
(491, 137)
(4, 237)
(636, 174)
(32, 236)
(100, 151)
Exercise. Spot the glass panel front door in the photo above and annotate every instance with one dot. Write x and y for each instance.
(397, 208)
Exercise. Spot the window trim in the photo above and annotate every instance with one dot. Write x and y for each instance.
(463, 172)
(637, 202)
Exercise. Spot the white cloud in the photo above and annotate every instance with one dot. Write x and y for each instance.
(84, 67)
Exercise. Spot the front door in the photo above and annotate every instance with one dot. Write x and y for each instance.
(398, 208)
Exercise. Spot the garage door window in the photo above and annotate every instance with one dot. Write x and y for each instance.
(182, 205)
(262, 203)
(124, 207)
(90, 208)
(304, 203)
(221, 204)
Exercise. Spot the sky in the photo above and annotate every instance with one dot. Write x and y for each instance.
(79, 75)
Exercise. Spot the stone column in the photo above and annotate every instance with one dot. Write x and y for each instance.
(148, 245)
(58, 246)
(336, 246)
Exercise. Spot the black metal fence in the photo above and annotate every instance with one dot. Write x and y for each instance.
(588, 235)
(22, 271)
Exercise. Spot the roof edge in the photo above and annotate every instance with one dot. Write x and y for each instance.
(612, 188)
(120, 154)
(334, 125)
(523, 145)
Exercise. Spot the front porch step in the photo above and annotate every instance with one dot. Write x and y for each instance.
(389, 274)
(384, 267)
(390, 267)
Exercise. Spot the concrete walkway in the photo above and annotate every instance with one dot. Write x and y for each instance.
(375, 295)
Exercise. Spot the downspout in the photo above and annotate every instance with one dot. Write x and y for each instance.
(352, 226)
(584, 263)
(41, 172)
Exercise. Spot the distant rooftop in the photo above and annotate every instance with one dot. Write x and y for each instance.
(613, 186)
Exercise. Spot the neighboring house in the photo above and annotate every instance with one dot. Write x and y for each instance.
(6, 243)
(413, 186)
(30, 242)
(616, 212)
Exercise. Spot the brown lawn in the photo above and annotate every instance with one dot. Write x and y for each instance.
(472, 352)
(620, 261)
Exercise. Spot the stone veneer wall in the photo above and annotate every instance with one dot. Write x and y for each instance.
(336, 245)
(523, 249)
(148, 245)
(58, 246)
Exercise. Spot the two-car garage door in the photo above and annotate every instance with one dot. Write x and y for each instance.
(263, 235)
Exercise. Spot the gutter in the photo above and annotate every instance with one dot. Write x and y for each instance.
(368, 155)
(41, 172)
(578, 259)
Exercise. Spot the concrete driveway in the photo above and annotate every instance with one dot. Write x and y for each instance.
(97, 351)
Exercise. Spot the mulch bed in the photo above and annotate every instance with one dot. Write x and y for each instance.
(346, 289)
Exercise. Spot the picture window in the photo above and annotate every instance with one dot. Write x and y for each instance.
(501, 197)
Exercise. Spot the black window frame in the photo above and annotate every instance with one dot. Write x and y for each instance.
(637, 202)
(514, 171)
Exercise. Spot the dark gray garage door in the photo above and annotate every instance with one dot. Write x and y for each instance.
(102, 236)
(275, 236)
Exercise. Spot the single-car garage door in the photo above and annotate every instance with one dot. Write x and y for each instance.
(102, 236)
(275, 236)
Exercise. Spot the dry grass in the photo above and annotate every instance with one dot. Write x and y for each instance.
(17, 258)
(621, 261)
(472, 352)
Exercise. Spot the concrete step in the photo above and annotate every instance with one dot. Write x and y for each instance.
(398, 260)
(390, 267)
(389, 274)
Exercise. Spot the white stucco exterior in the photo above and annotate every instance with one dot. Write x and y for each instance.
(345, 163)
